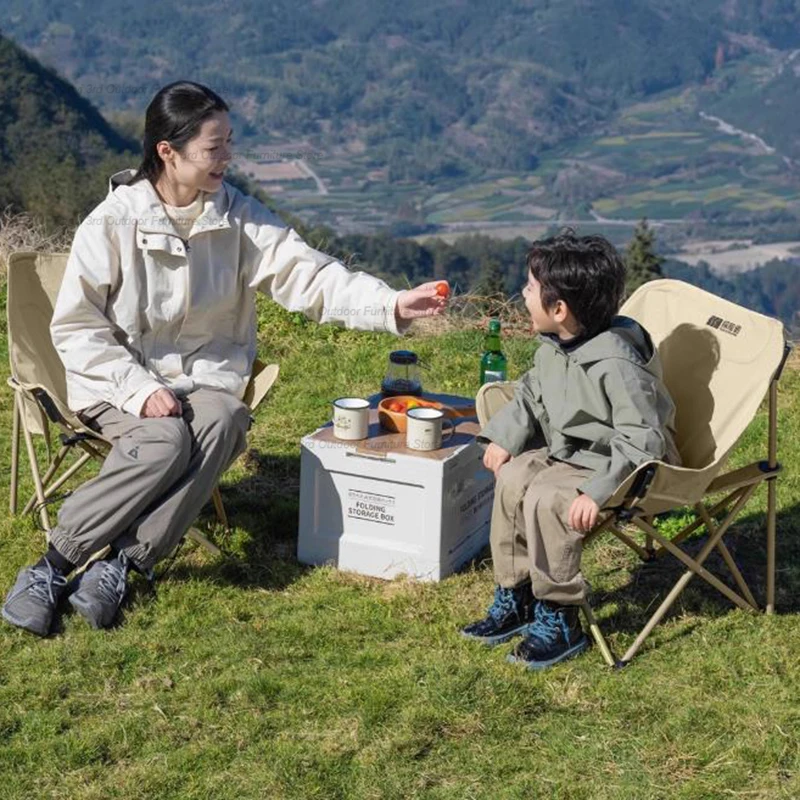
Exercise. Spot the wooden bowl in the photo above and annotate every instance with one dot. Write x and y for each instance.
(396, 421)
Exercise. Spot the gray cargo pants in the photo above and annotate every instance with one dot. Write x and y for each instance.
(156, 478)
(530, 536)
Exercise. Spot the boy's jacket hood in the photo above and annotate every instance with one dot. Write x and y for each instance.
(624, 338)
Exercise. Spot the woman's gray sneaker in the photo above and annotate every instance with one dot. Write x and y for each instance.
(32, 601)
(100, 591)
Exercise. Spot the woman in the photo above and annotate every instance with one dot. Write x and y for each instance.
(155, 323)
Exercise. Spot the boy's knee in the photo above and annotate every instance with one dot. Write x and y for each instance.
(511, 481)
(542, 497)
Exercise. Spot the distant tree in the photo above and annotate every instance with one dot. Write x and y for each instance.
(641, 259)
(491, 286)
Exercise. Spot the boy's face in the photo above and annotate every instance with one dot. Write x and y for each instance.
(544, 320)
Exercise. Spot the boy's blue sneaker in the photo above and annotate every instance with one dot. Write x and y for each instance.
(101, 589)
(554, 636)
(509, 614)
(32, 601)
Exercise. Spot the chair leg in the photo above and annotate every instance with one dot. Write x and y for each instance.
(695, 567)
(203, 541)
(51, 470)
(711, 527)
(599, 639)
(770, 606)
(37, 481)
(772, 447)
(219, 507)
(14, 456)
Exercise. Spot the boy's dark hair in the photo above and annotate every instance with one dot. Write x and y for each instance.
(586, 272)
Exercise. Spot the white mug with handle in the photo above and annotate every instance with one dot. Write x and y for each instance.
(424, 428)
(350, 418)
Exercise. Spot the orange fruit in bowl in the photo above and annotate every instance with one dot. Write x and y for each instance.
(392, 411)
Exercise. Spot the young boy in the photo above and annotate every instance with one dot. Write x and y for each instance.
(592, 408)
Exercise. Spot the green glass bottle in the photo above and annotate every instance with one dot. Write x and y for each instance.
(493, 361)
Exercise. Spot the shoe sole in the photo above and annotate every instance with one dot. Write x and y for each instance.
(573, 651)
(500, 638)
(17, 623)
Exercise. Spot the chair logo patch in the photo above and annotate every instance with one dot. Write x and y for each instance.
(724, 325)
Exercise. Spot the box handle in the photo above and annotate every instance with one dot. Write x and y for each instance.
(376, 457)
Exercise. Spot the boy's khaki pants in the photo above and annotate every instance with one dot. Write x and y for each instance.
(154, 481)
(530, 536)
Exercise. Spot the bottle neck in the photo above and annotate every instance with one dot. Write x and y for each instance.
(492, 342)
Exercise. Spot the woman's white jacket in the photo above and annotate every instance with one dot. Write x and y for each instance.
(140, 308)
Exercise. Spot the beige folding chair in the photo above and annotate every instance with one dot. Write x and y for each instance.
(719, 361)
(39, 383)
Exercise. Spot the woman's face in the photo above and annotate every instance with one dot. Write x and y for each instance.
(205, 157)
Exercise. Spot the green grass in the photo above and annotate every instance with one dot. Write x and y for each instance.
(255, 677)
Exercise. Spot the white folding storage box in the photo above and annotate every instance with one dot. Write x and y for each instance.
(377, 508)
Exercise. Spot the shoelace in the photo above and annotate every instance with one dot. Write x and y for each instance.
(546, 625)
(44, 580)
(503, 603)
(112, 582)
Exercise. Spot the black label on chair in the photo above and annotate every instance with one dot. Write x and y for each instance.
(724, 325)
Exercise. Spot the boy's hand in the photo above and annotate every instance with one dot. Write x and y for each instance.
(583, 513)
(494, 457)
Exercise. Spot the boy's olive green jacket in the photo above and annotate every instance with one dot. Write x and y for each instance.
(599, 404)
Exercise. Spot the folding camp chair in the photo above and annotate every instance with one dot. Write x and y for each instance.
(719, 361)
(39, 383)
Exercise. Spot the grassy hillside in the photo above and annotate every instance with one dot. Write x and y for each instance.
(252, 676)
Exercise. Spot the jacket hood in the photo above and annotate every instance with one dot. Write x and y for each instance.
(144, 203)
(625, 338)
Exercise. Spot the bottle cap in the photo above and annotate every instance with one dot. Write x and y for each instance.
(494, 326)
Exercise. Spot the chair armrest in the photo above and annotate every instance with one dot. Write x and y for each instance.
(261, 380)
(491, 397)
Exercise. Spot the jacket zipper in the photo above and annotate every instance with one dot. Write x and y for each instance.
(188, 289)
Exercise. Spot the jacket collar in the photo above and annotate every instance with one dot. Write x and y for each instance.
(149, 211)
(624, 338)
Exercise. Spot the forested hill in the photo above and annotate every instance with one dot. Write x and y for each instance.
(428, 88)
(56, 149)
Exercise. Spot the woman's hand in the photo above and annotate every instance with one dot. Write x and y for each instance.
(162, 403)
(424, 300)
(494, 457)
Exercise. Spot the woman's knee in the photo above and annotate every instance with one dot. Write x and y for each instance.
(231, 417)
(167, 442)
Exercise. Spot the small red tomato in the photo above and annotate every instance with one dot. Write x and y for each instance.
(442, 289)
